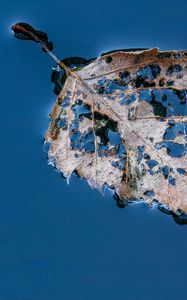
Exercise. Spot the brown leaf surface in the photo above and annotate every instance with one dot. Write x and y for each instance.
(121, 122)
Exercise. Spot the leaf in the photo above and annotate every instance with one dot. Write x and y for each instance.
(121, 122)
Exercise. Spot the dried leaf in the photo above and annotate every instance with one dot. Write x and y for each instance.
(121, 122)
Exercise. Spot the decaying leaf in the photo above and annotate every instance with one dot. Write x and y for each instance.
(121, 121)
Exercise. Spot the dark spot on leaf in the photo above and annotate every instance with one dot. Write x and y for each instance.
(164, 55)
(78, 102)
(151, 163)
(149, 193)
(181, 171)
(101, 90)
(146, 156)
(177, 55)
(124, 75)
(165, 171)
(171, 123)
(170, 82)
(61, 123)
(174, 69)
(171, 180)
(140, 153)
(161, 82)
(108, 59)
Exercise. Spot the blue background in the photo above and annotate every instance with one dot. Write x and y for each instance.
(69, 242)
